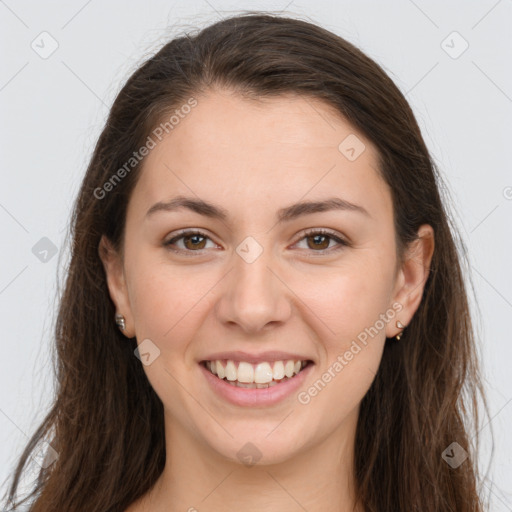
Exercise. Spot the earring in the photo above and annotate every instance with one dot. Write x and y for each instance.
(120, 322)
(400, 325)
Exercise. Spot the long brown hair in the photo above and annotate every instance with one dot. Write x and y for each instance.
(106, 422)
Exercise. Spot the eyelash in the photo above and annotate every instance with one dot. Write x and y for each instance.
(188, 233)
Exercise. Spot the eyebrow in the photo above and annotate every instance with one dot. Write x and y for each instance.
(286, 214)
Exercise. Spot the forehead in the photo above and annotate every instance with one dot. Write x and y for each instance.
(278, 150)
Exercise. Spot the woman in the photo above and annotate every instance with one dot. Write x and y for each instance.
(265, 307)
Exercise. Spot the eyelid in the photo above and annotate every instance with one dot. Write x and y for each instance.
(321, 231)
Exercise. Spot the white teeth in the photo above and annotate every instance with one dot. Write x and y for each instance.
(289, 367)
(244, 384)
(261, 375)
(278, 370)
(220, 370)
(245, 372)
(231, 372)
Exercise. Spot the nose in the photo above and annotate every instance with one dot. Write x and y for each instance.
(254, 294)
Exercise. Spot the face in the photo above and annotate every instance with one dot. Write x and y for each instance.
(262, 278)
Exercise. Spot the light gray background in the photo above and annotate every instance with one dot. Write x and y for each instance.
(52, 111)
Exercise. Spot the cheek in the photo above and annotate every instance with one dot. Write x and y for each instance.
(355, 306)
(340, 385)
(166, 306)
(348, 299)
(351, 308)
(162, 301)
(169, 304)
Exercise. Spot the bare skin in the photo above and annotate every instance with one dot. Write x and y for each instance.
(302, 294)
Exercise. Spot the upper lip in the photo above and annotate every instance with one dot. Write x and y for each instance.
(240, 355)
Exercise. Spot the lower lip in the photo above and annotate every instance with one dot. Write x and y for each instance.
(251, 397)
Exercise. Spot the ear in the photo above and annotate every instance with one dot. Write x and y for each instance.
(411, 277)
(114, 270)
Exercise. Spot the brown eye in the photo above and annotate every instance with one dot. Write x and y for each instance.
(193, 241)
(318, 241)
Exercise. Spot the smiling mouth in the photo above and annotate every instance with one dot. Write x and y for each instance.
(255, 376)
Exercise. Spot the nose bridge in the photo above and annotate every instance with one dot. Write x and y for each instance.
(254, 295)
(251, 270)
